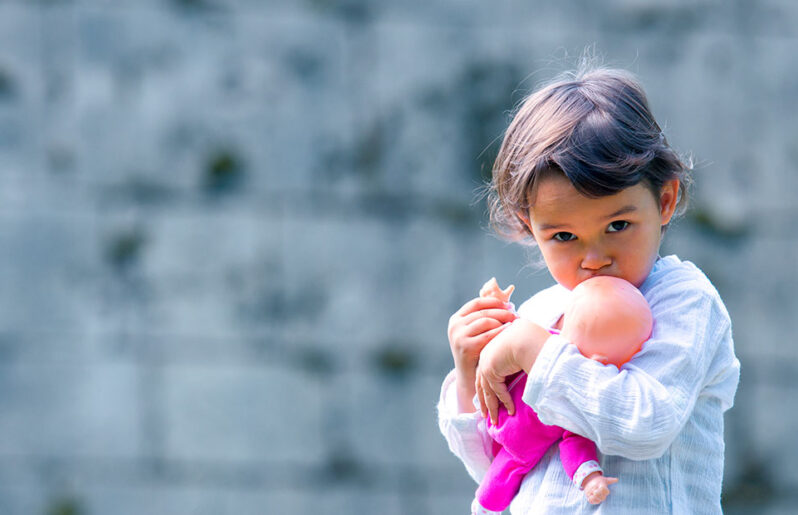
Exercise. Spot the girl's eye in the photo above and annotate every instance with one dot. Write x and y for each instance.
(618, 225)
(564, 236)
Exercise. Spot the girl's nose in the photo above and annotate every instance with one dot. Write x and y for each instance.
(595, 259)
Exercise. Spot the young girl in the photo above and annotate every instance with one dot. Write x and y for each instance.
(585, 173)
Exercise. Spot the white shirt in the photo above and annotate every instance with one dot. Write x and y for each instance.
(657, 422)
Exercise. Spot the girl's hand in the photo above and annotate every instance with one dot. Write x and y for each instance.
(511, 351)
(597, 487)
(474, 325)
(470, 329)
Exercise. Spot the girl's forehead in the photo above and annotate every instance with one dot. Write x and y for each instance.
(553, 189)
(555, 196)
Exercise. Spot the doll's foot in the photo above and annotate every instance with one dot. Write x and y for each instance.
(477, 509)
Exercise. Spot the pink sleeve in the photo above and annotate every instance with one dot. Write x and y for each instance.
(574, 451)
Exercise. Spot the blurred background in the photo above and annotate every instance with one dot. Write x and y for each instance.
(232, 233)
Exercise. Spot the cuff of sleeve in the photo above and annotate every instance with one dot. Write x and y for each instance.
(448, 403)
(539, 374)
(584, 470)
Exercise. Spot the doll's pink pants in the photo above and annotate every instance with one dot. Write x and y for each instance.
(520, 441)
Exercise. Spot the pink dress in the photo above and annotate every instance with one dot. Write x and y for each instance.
(519, 442)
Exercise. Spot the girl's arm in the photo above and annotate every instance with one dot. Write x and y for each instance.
(470, 329)
(638, 411)
(466, 433)
(476, 323)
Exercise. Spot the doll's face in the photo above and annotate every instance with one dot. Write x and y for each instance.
(617, 235)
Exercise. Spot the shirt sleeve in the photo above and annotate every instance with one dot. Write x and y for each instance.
(637, 411)
(465, 433)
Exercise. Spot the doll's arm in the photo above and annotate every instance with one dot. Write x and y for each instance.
(578, 456)
(580, 461)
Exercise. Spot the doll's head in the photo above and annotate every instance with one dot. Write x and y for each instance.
(593, 127)
(608, 319)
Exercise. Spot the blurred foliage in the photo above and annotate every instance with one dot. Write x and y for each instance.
(357, 12)
(488, 90)
(721, 227)
(343, 466)
(305, 66)
(395, 360)
(315, 361)
(125, 248)
(7, 85)
(197, 5)
(457, 213)
(65, 506)
(60, 158)
(753, 486)
(649, 17)
(224, 172)
(369, 150)
(146, 191)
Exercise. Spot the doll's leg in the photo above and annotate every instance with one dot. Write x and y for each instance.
(523, 441)
(523, 434)
(477, 509)
(502, 481)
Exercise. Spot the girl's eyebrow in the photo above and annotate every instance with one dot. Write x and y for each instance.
(624, 210)
(548, 227)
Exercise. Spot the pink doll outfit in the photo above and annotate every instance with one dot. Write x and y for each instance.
(519, 442)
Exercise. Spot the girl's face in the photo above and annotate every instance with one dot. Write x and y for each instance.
(617, 235)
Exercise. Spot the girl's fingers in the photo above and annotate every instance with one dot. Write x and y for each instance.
(479, 335)
(492, 405)
(487, 336)
(481, 325)
(499, 394)
(481, 398)
(500, 314)
(488, 402)
(480, 303)
(612, 480)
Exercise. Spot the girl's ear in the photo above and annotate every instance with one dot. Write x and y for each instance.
(524, 217)
(668, 197)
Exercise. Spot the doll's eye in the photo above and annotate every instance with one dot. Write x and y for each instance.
(618, 225)
(564, 236)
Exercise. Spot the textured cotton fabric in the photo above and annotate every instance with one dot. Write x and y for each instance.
(657, 422)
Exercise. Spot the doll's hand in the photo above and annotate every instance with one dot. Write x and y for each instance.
(597, 487)
(511, 351)
(470, 329)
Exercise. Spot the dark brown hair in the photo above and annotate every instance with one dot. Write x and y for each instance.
(595, 127)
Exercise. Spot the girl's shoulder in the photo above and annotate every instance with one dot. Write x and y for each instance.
(670, 271)
(673, 280)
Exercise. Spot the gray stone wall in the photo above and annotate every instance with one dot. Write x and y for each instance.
(232, 233)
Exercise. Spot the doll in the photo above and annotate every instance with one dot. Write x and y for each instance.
(608, 319)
